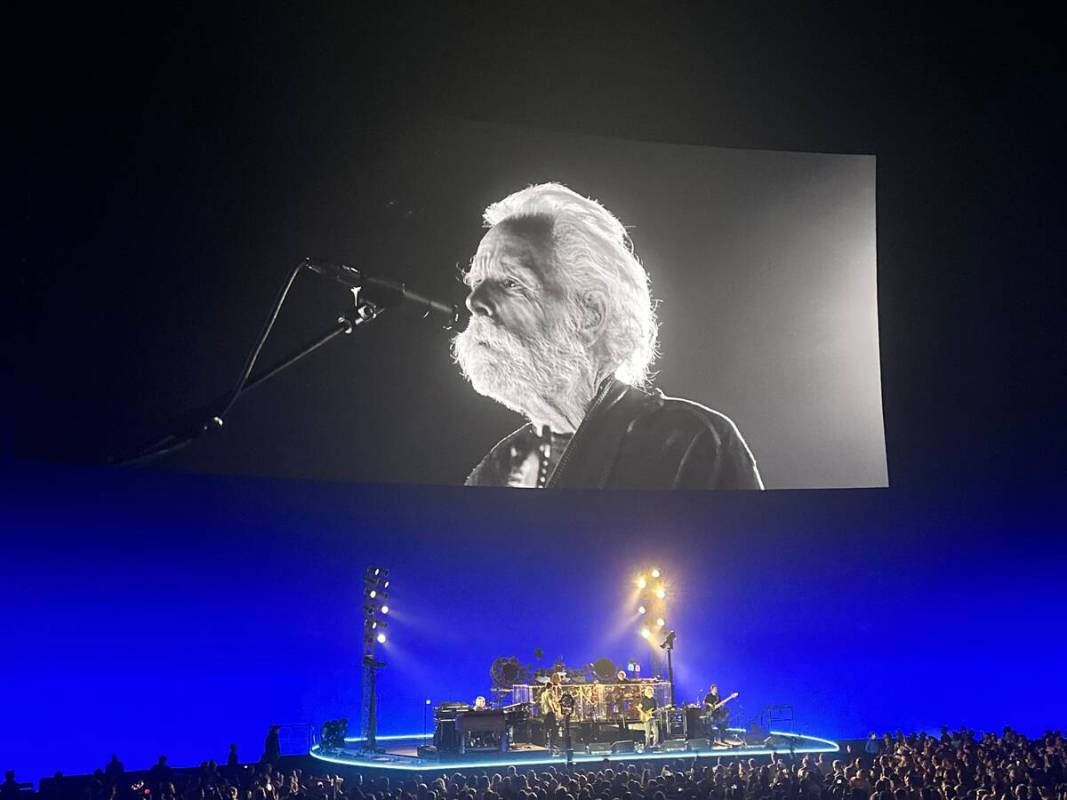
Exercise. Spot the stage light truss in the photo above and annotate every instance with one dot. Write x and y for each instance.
(375, 586)
(651, 604)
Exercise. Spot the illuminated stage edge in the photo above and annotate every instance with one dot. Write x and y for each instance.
(788, 743)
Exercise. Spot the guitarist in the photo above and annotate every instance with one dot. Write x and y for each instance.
(716, 711)
(647, 710)
(550, 708)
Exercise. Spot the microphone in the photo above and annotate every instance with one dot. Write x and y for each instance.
(386, 293)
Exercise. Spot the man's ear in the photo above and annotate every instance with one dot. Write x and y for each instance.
(594, 306)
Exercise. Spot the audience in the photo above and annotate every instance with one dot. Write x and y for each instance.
(953, 766)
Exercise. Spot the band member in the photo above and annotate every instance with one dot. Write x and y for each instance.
(563, 331)
(550, 707)
(480, 704)
(648, 716)
(716, 712)
(711, 699)
(620, 676)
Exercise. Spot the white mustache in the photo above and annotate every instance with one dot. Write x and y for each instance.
(508, 366)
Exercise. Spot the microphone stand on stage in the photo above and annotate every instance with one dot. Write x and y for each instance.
(668, 645)
(372, 297)
(566, 705)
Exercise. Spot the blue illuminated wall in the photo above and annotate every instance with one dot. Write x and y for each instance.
(151, 613)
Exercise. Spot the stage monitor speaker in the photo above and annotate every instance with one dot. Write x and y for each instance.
(623, 746)
(599, 748)
(699, 744)
(674, 745)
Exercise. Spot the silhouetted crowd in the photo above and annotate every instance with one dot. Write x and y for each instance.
(953, 766)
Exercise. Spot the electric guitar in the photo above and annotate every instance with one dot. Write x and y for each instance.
(646, 715)
(712, 708)
(550, 698)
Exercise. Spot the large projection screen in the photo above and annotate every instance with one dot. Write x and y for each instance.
(761, 264)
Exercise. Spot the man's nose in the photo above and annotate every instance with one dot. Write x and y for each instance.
(478, 302)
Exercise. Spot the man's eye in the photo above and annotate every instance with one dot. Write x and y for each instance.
(508, 283)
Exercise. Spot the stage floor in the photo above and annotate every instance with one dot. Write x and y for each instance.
(399, 753)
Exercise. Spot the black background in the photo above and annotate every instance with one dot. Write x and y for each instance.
(153, 141)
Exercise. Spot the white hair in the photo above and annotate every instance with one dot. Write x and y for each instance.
(595, 258)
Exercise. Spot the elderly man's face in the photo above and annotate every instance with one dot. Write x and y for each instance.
(523, 338)
(512, 280)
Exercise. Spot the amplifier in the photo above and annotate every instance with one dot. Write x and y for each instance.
(623, 746)
(674, 745)
(599, 748)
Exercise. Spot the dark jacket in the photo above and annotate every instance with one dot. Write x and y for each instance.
(631, 439)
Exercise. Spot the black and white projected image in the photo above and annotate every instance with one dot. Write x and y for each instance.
(563, 332)
(635, 316)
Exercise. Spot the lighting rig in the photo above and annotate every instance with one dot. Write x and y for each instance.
(651, 601)
(375, 609)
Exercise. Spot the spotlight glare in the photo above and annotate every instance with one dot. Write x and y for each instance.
(655, 573)
(645, 633)
(377, 572)
(659, 622)
(641, 582)
(373, 594)
(661, 593)
(381, 638)
(385, 585)
(641, 609)
(384, 609)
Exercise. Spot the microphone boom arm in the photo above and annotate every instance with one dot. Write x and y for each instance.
(372, 297)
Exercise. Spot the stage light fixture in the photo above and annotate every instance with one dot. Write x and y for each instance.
(375, 582)
(659, 622)
(641, 582)
(661, 592)
(645, 633)
(641, 609)
(655, 573)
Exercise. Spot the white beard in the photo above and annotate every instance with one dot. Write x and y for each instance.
(549, 379)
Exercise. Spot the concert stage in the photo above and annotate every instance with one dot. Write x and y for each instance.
(400, 753)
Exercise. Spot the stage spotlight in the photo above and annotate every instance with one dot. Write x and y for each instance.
(655, 573)
(427, 701)
(660, 592)
(385, 585)
(384, 609)
(659, 622)
(377, 572)
(645, 633)
(373, 594)
(641, 609)
(641, 582)
(381, 638)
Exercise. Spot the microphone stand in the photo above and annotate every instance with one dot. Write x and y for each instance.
(192, 425)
